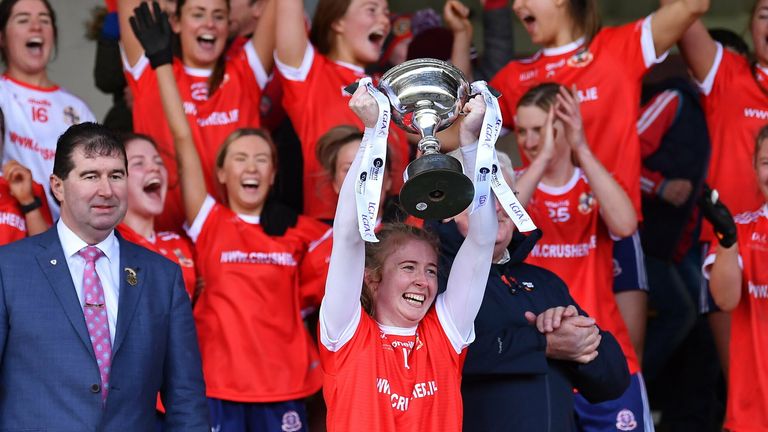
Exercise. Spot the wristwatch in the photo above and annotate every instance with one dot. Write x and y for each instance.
(34, 205)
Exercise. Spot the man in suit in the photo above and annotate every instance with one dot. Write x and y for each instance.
(92, 327)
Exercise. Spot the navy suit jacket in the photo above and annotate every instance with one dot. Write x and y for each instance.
(49, 379)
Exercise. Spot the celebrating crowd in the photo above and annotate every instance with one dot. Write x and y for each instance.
(194, 263)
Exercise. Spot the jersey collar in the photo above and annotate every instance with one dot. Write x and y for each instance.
(354, 68)
(564, 49)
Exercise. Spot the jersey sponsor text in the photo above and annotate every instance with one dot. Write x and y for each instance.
(13, 220)
(578, 250)
(241, 257)
(401, 403)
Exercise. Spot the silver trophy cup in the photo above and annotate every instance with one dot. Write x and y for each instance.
(427, 96)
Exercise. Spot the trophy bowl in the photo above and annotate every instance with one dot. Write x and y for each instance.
(426, 97)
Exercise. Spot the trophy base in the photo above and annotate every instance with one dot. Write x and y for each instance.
(436, 188)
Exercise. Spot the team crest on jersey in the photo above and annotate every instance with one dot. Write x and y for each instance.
(581, 59)
(71, 117)
(625, 420)
(401, 26)
(586, 202)
(291, 422)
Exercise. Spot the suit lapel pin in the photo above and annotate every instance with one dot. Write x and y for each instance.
(130, 276)
(53, 262)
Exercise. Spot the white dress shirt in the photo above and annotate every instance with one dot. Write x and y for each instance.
(107, 267)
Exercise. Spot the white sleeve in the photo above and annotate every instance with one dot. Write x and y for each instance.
(458, 306)
(197, 225)
(706, 86)
(340, 309)
(300, 73)
(262, 77)
(137, 69)
(710, 260)
(647, 45)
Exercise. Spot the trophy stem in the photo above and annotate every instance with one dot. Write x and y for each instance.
(427, 121)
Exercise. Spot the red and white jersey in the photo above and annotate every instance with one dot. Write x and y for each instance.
(172, 246)
(736, 108)
(747, 408)
(577, 247)
(253, 342)
(235, 104)
(315, 101)
(390, 380)
(13, 224)
(34, 118)
(608, 78)
(314, 271)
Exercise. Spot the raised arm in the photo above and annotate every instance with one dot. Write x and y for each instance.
(20, 183)
(131, 45)
(263, 38)
(147, 25)
(456, 16)
(676, 18)
(341, 304)
(498, 39)
(291, 35)
(617, 210)
(469, 273)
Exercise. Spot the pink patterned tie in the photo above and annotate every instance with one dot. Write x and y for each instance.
(95, 311)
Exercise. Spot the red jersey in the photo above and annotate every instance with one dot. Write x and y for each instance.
(747, 409)
(608, 76)
(172, 246)
(253, 342)
(314, 98)
(389, 383)
(13, 224)
(577, 247)
(235, 104)
(736, 108)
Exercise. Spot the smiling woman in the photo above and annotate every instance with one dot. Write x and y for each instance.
(346, 36)
(219, 106)
(33, 109)
(391, 346)
(147, 189)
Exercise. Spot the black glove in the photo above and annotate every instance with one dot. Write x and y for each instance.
(718, 215)
(154, 33)
(276, 218)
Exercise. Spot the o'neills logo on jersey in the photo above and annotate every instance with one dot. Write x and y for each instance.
(757, 291)
(13, 220)
(760, 238)
(581, 59)
(220, 118)
(563, 250)
(274, 258)
(199, 91)
(402, 402)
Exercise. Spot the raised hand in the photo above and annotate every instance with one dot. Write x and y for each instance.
(456, 16)
(567, 110)
(469, 129)
(153, 32)
(364, 106)
(19, 180)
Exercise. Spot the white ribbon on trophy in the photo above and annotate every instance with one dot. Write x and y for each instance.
(370, 177)
(488, 174)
